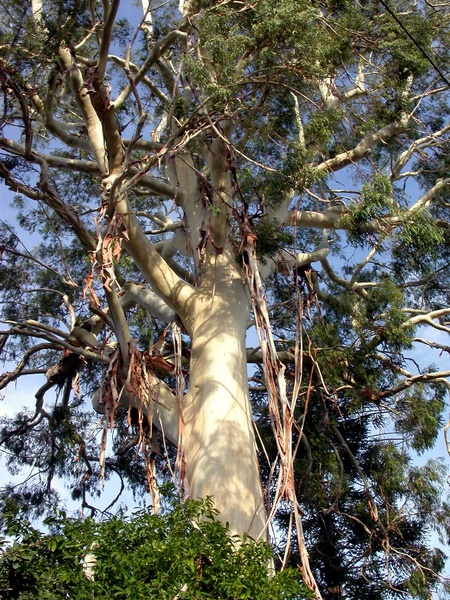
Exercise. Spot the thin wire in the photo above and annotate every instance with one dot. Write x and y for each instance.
(429, 59)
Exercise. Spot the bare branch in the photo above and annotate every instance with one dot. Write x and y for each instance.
(426, 199)
(52, 335)
(138, 294)
(441, 347)
(30, 257)
(334, 98)
(357, 287)
(9, 376)
(155, 269)
(121, 328)
(65, 212)
(255, 356)
(437, 376)
(287, 261)
(158, 50)
(83, 100)
(317, 220)
(363, 149)
(420, 144)
(53, 160)
(106, 36)
(428, 319)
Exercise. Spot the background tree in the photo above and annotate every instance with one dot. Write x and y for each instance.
(218, 168)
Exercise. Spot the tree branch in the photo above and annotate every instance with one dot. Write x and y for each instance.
(121, 328)
(426, 199)
(83, 100)
(420, 144)
(333, 98)
(428, 317)
(145, 80)
(53, 160)
(161, 277)
(153, 304)
(158, 50)
(363, 149)
(105, 42)
(441, 347)
(160, 405)
(410, 381)
(317, 220)
(52, 335)
(287, 261)
(9, 376)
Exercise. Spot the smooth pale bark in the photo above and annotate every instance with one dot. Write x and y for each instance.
(83, 100)
(219, 441)
(153, 304)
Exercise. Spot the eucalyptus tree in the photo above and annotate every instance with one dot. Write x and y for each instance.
(197, 175)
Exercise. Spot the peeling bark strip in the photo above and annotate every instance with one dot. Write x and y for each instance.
(281, 414)
(180, 463)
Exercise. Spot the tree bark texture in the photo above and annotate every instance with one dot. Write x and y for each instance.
(219, 441)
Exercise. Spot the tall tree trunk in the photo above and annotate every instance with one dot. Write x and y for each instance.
(219, 439)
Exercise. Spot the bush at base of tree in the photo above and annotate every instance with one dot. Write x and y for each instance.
(185, 554)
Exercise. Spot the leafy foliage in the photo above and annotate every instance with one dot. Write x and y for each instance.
(185, 553)
(376, 202)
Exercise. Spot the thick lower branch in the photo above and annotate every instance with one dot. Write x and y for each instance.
(161, 277)
(159, 405)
